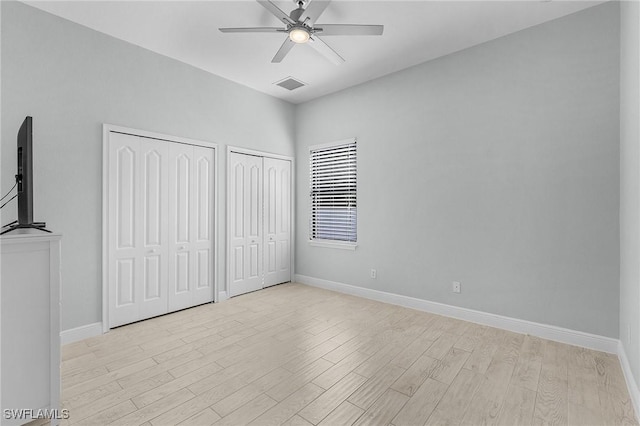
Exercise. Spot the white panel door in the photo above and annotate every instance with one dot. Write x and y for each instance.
(245, 223)
(160, 227)
(124, 235)
(137, 219)
(203, 225)
(277, 221)
(153, 226)
(181, 194)
(190, 226)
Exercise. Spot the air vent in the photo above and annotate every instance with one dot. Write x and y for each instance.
(290, 83)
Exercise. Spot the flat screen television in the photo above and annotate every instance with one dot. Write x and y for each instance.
(24, 181)
(25, 172)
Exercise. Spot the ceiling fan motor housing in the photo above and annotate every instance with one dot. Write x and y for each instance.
(296, 13)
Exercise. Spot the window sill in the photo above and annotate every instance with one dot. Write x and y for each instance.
(333, 244)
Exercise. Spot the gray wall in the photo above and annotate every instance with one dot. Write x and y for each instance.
(71, 80)
(497, 166)
(630, 183)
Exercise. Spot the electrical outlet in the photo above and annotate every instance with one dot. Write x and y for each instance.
(374, 274)
(455, 287)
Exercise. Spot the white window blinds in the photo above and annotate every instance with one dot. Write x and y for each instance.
(333, 191)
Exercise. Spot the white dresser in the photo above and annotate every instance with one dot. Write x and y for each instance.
(29, 326)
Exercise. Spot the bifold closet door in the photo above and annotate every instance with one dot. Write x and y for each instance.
(277, 221)
(259, 222)
(160, 221)
(138, 240)
(245, 223)
(190, 225)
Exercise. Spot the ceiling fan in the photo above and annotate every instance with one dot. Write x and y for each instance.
(301, 28)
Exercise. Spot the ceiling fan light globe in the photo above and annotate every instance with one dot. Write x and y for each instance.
(299, 35)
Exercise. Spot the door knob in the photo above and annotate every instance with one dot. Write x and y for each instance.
(182, 248)
(153, 251)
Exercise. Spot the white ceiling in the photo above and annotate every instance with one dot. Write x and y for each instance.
(414, 32)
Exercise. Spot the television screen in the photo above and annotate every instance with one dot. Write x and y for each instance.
(24, 182)
(25, 173)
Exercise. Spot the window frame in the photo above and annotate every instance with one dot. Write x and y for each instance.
(329, 243)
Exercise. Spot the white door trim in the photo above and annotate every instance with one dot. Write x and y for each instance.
(239, 150)
(258, 153)
(108, 128)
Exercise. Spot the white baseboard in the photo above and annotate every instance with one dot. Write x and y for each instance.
(80, 333)
(634, 392)
(545, 331)
(558, 334)
(222, 296)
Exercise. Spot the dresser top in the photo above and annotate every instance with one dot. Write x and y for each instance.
(28, 235)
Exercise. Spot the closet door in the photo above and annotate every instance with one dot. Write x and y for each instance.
(203, 225)
(277, 221)
(190, 226)
(124, 229)
(153, 209)
(180, 225)
(160, 231)
(245, 223)
(137, 220)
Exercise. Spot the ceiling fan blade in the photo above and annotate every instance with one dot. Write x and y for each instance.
(349, 29)
(276, 11)
(322, 47)
(282, 52)
(314, 10)
(253, 30)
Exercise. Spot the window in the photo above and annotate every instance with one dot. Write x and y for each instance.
(332, 169)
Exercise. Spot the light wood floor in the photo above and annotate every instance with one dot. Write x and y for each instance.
(298, 355)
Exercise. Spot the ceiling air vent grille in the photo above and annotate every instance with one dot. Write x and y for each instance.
(290, 83)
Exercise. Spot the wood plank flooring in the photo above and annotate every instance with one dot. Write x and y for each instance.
(298, 355)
